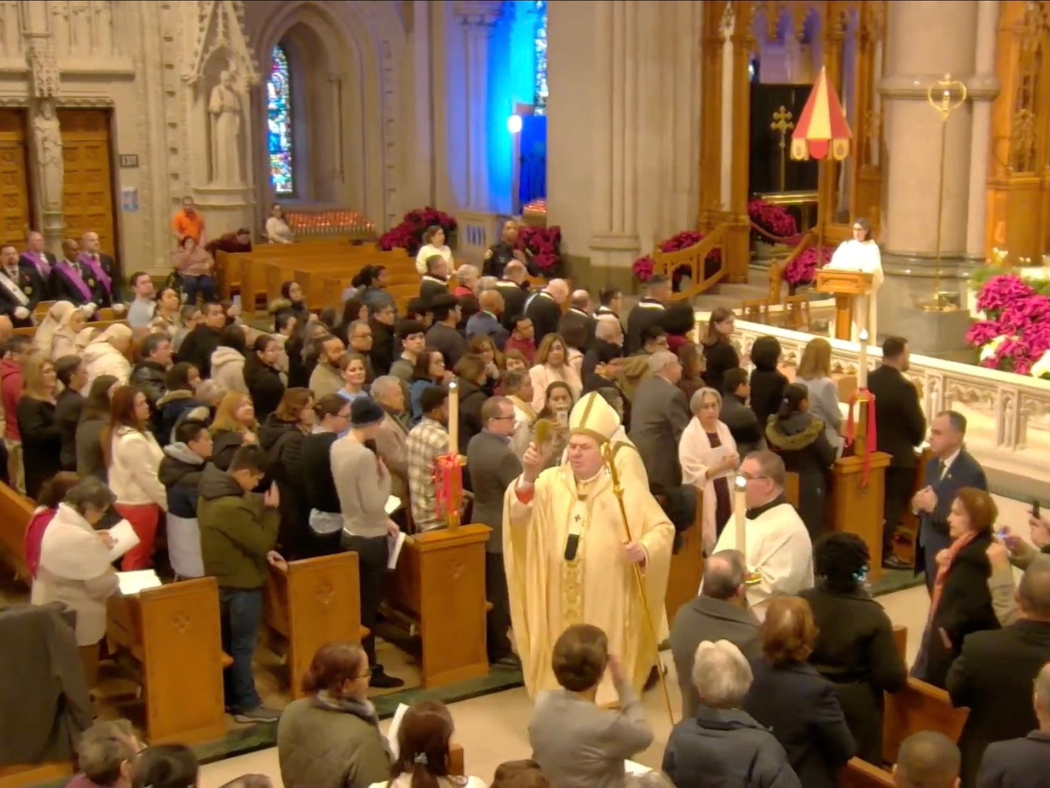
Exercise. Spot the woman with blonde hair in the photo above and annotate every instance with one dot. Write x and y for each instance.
(552, 365)
(107, 354)
(814, 372)
(64, 338)
(234, 425)
(708, 455)
(41, 439)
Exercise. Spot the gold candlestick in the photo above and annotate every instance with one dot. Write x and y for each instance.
(782, 124)
(945, 95)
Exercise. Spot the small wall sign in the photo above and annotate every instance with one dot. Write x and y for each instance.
(129, 160)
(129, 199)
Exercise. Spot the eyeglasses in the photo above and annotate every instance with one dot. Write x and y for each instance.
(366, 674)
(503, 418)
(751, 478)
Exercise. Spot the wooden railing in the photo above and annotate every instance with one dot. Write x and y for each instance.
(695, 259)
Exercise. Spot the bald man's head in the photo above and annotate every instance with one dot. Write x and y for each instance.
(514, 271)
(491, 301)
(1033, 591)
(581, 299)
(927, 759)
(723, 574)
(558, 290)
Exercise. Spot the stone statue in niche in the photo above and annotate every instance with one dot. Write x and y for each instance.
(48, 139)
(224, 108)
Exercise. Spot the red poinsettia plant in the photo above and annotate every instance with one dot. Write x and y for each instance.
(1015, 334)
(803, 269)
(644, 267)
(408, 235)
(545, 245)
(774, 219)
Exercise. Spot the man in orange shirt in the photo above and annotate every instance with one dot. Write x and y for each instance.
(188, 222)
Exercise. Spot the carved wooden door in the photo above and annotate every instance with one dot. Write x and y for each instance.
(14, 183)
(87, 189)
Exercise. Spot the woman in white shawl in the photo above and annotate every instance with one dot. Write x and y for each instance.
(107, 354)
(50, 328)
(709, 459)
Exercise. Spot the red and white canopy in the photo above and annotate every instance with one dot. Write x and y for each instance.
(822, 131)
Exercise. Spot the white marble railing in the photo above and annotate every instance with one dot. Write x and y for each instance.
(1008, 415)
(475, 233)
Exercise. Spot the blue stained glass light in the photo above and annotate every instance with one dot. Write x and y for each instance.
(540, 99)
(279, 124)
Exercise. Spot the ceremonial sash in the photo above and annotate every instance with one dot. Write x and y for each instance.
(74, 279)
(13, 288)
(43, 266)
(96, 267)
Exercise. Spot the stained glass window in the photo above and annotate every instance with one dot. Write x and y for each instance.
(540, 99)
(279, 123)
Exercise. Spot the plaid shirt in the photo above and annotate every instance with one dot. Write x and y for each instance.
(427, 441)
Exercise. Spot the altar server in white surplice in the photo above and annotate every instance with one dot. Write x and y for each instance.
(569, 559)
(862, 254)
(777, 548)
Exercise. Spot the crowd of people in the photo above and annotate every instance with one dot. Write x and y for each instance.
(229, 447)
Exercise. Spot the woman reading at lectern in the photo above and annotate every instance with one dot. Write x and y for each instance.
(861, 253)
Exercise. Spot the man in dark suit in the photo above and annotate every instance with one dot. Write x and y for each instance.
(443, 334)
(950, 469)
(579, 314)
(1023, 761)
(493, 467)
(994, 673)
(514, 288)
(102, 264)
(19, 288)
(38, 261)
(737, 415)
(487, 321)
(719, 613)
(499, 255)
(435, 280)
(544, 308)
(901, 427)
(659, 416)
(649, 311)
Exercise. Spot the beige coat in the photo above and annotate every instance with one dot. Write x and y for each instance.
(227, 369)
(75, 570)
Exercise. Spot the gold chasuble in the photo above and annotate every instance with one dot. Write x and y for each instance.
(565, 561)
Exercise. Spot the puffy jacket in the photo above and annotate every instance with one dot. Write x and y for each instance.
(726, 748)
(180, 472)
(133, 466)
(227, 369)
(150, 378)
(101, 358)
(172, 406)
(237, 531)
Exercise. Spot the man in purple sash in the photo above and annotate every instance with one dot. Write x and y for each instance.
(38, 262)
(104, 269)
(73, 281)
(18, 296)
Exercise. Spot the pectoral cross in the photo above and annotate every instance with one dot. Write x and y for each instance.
(782, 123)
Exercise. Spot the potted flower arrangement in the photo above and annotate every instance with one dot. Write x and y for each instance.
(1015, 334)
(544, 244)
(803, 269)
(408, 235)
(774, 219)
(644, 267)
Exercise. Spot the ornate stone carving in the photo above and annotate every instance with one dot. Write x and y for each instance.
(221, 32)
(43, 68)
(225, 111)
(482, 13)
(47, 136)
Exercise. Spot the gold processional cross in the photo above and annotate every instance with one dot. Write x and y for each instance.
(782, 123)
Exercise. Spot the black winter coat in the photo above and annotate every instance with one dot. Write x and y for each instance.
(264, 385)
(41, 442)
(801, 441)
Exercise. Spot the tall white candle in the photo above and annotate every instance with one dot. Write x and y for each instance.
(739, 510)
(862, 361)
(453, 418)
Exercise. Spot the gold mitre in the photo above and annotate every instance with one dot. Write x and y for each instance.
(595, 417)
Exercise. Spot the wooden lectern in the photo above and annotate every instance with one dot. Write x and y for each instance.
(845, 286)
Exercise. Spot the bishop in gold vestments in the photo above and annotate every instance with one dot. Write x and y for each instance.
(569, 559)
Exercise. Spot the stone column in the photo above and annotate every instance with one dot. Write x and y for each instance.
(614, 239)
(477, 18)
(914, 60)
(46, 170)
(983, 87)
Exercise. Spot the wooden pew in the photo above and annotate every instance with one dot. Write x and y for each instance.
(15, 512)
(861, 774)
(315, 601)
(918, 707)
(227, 271)
(173, 634)
(25, 774)
(687, 565)
(439, 583)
